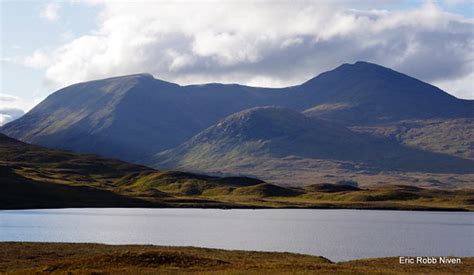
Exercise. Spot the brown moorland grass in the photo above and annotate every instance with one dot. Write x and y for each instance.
(81, 258)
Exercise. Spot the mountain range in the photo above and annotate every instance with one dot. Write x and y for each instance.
(360, 121)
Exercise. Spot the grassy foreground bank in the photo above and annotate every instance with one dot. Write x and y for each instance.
(27, 258)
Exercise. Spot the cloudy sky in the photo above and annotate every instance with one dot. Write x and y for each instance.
(46, 45)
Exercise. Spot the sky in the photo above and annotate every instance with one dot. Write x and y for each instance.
(47, 45)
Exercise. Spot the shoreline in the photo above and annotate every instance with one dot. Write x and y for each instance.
(33, 257)
(245, 207)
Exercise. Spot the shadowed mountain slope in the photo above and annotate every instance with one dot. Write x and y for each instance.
(134, 117)
(22, 192)
(366, 93)
(107, 117)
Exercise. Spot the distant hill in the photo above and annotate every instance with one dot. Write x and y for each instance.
(266, 141)
(448, 136)
(37, 177)
(134, 117)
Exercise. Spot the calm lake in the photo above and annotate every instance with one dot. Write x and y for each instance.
(336, 234)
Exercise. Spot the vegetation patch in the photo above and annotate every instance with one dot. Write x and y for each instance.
(67, 258)
(265, 190)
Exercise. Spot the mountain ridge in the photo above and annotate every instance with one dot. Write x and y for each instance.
(134, 117)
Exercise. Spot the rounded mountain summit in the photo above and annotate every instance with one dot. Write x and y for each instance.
(135, 117)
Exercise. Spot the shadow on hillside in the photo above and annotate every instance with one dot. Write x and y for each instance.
(21, 192)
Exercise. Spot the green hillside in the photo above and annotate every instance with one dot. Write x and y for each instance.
(448, 136)
(37, 177)
(283, 146)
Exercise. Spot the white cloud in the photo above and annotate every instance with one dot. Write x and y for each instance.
(8, 110)
(12, 107)
(7, 98)
(4, 119)
(7, 115)
(6, 59)
(50, 12)
(38, 60)
(264, 43)
(463, 86)
(457, 2)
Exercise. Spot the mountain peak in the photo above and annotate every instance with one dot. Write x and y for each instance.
(361, 63)
(366, 63)
(138, 75)
(148, 75)
(264, 120)
(368, 66)
(137, 115)
(358, 68)
(265, 123)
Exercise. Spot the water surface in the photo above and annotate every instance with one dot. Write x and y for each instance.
(336, 234)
